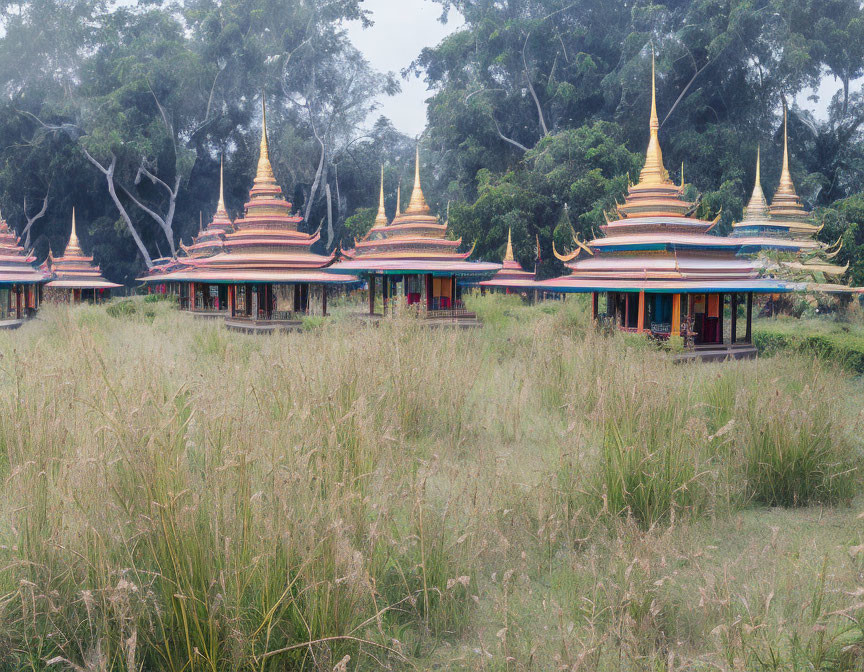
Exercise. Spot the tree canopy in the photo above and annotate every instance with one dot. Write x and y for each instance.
(537, 114)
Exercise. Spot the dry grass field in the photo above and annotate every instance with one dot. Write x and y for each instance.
(528, 496)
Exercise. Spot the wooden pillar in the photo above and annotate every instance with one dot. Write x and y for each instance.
(676, 315)
(640, 319)
(720, 311)
(734, 306)
(626, 321)
(594, 299)
(385, 292)
(749, 334)
(324, 301)
(371, 293)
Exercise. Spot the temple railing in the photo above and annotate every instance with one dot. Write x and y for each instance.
(449, 313)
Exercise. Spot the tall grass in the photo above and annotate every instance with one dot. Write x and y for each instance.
(531, 495)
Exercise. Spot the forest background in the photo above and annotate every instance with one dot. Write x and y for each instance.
(536, 118)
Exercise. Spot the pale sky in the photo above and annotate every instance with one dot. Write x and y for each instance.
(402, 29)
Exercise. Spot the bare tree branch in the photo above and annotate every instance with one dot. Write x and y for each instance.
(109, 177)
(32, 220)
(504, 137)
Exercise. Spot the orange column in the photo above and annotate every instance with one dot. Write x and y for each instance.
(640, 324)
(676, 314)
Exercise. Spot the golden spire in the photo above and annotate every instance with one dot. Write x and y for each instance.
(381, 217)
(417, 204)
(757, 208)
(653, 172)
(399, 196)
(264, 173)
(508, 255)
(786, 189)
(73, 246)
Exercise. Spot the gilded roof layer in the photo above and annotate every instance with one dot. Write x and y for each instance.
(75, 270)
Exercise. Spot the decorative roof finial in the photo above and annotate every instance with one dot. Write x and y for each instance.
(417, 204)
(74, 247)
(264, 174)
(399, 196)
(786, 186)
(381, 217)
(682, 174)
(757, 207)
(508, 255)
(653, 172)
(220, 206)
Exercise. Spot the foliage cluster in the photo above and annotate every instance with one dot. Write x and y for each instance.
(529, 495)
(839, 342)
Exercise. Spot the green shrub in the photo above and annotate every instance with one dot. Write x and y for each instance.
(156, 298)
(122, 308)
(827, 340)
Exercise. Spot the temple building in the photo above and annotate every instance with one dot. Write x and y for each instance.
(657, 269)
(512, 277)
(74, 277)
(20, 281)
(787, 228)
(415, 261)
(261, 268)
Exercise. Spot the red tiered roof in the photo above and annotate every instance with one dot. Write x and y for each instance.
(413, 243)
(656, 245)
(511, 274)
(263, 246)
(75, 270)
(16, 263)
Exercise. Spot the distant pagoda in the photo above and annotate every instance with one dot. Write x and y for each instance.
(511, 277)
(658, 268)
(788, 228)
(259, 271)
(74, 276)
(20, 281)
(415, 259)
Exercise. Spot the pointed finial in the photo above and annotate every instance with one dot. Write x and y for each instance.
(381, 217)
(682, 174)
(653, 172)
(508, 255)
(399, 197)
(785, 195)
(417, 204)
(757, 207)
(264, 174)
(654, 121)
(758, 164)
(73, 246)
(221, 204)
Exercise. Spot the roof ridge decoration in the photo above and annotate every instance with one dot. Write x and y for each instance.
(417, 205)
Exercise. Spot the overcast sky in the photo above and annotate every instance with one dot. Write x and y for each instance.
(402, 28)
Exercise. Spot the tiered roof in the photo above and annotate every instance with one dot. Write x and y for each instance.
(786, 226)
(656, 244)
(265, 245)
(16, 263)
(75, 270)
(414, 242)
(511, 274)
